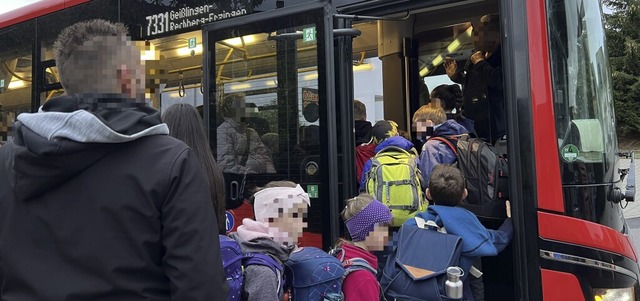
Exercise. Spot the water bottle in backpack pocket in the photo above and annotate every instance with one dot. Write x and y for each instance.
(417, 267)
(314, 275)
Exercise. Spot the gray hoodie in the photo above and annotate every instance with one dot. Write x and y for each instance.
(261, 283)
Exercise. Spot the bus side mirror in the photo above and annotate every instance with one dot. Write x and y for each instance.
(630, 173)
(630, 192)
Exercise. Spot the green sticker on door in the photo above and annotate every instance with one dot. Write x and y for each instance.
(570, 153)
(309, 34)
(312, 191)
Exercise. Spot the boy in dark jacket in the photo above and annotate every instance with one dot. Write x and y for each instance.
(447, 190)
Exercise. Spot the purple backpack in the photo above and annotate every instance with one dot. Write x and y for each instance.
(233, 261)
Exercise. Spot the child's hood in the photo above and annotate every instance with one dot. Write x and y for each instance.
(397, 141)
(351, 251)
(263, 245)
(476, 240)
(449, 128)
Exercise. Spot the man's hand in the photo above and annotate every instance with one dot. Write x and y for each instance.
(508, 205)
(450, 66)
(477, 57)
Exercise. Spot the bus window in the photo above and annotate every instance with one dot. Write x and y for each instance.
(583, 110)
(15, 78)
(173, 66)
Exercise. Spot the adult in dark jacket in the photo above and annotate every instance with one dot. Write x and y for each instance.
(97, 202)
(481, 81)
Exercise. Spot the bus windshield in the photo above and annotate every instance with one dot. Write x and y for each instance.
(583, 106)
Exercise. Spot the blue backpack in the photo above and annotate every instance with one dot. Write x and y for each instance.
(313, 275)
(416, 269)
(234, 261)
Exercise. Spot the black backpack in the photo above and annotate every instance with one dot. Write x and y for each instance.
(486, 173)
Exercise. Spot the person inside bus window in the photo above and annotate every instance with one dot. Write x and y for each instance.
(185, 124)
(104, 203)
(280, 208)
(362, 126)
(450, 98)
(431, 121)
(481, 80)
(446, 190)
(367, 221)
(239, 147)
(254, 120)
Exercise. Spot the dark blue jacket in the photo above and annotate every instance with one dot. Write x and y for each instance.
(398, 141)
(436, 152)
(477, 241)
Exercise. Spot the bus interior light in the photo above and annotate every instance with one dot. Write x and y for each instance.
(438, 60)
(424, 71)
(614, 294)
(16, 84)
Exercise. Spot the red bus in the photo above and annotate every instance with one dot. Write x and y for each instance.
(298, 65)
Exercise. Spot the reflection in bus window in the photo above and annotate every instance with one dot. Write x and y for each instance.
(240, 148)
(268, 113)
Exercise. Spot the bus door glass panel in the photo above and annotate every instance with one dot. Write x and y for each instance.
(267, 84)
(583, 110)
(16, 47)
(267, 112)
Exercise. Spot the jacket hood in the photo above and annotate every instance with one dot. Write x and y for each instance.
(449, 128)
(68, 135)
(352, 251)
(463, 223)
(363, 131)
(263, 245)
(397, 141)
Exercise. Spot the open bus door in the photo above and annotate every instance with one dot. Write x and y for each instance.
(269, 102)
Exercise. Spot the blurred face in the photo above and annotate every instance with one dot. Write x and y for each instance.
(485, 39)
(423, 129)
(378, 238)
(288, 227)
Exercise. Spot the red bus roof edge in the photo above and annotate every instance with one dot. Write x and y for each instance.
(35, 10)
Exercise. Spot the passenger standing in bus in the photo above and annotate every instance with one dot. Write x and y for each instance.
(481, 80)
(97, 201)
(451, 99)
(362, 127)
(185, 124)
(365, 146)
(279, 209)
(432, 126)
(239, 147)
(367, 221)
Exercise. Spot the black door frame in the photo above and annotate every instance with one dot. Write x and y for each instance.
(322, 12)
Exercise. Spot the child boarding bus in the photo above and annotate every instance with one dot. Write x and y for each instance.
(275, 81)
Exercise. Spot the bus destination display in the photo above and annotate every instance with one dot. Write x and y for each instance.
(186, 18)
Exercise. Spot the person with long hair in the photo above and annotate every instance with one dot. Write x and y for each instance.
(451, 99)
(185, 124)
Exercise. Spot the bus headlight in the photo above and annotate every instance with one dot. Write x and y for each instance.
(611, 294)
